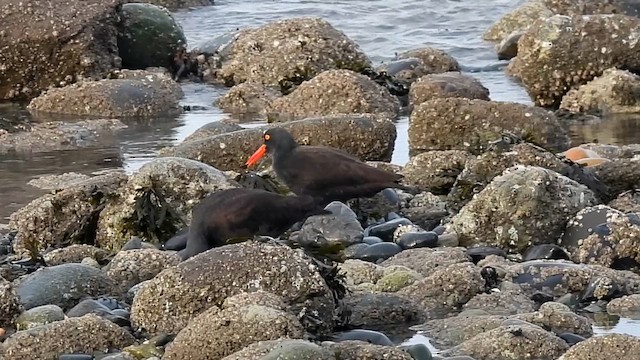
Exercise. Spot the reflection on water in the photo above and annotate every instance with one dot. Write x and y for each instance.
(612, 324)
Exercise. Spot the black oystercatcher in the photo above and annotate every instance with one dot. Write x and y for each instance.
(322, 172)
(237, 214)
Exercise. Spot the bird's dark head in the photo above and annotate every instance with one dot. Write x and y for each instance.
(275, 141)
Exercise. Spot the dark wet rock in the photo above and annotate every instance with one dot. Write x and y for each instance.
(312, 46)
(604, 236)
(508, 47)
(74, 253)
(626, 306)
(407, 70)
(132, 267)
(359, 272)
(351, 251)
(478, 253)
(370, 240)
(446, 288)
(522, 193)
(326, 94)
(438, 61)
(369, 310)
(365, 136)
(369, 336)
(414, 240)
(216, 333)
(545, 251)
(606, 346)
(213, 129)
(378, 252)
(148, 36)
(548, 69)
(386, 230)
(505, 303)
(396, 277)
(571, 338)
(286, 349)
(587, 7)
(90, 306)
(417, 351)
(157, 200)
(68, 216)
(75, 335)
(445, 85)
(559, 319)
(513, 342)
(63, 285)
(613, 92)
(39, 315)
(627, 202)
(145, 94)
(330, 230)
(620, 175)
(60, 44)
(168, 301)
(358, 350)
(10, 306)
(518, 19)
(425, 260)
(454, 330)
(464, 124)
(435, 171)
(248, 99)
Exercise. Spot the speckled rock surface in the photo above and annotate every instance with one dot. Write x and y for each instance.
(57, 135)
(212, 129)
(215, 334)
(178, 4)
(359, 350)
(173, 297)
(131, 267)
(358, 272)
(620, 174)
(63, 285)
(84, 334)
(425, 261)
(454, 330)
(627, 202)
(526, 205)
(513, 342)
(10, 306)
(586, 7)
(518, 19)
(335, 92)
(625, 306)
(39, 315)
(609, 346)
(448, 84)
(248, 98)
(63, 41)
(259, 297)
(438, 61)
(502, 303)
(143, 94)
(435, 171)
(365, 136)
(282, 349)
(369, 310)
(559, 319)
(74, 254)
(312, 45)
(177, 182)
(615, 91)
(446, 288)
(554, 55)
(66, 216)
(464, 124)
(57, 181)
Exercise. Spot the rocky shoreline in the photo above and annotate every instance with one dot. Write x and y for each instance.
(515, 240)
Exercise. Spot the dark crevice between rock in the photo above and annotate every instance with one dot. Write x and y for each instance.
(156, 218)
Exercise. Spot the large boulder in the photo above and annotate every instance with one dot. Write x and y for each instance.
(366, 136)
(464, 124)
(67, 216)
(171, 299)
(518, 19)
(62, 41)
(607, 346)
(526, 205)
(157, 200)
(448, 84)
(615, 91)
(587, 7)
(311, 46)
(561, 53)
(335, 92)
(435, 60)
(138, 93)
(148, 36)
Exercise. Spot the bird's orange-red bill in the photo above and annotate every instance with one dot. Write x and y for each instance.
(257, 155)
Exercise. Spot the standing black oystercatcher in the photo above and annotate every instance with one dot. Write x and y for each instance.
(322, 172)
(237, 214)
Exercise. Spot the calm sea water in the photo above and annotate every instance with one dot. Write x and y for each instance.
(381, 28)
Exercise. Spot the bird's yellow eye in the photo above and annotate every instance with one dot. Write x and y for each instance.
(267, 137)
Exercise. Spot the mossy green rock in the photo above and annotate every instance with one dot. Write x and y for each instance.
(148, 36)
(39, 315)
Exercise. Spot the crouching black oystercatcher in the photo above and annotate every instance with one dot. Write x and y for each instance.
(322, 172)
(237, 214)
